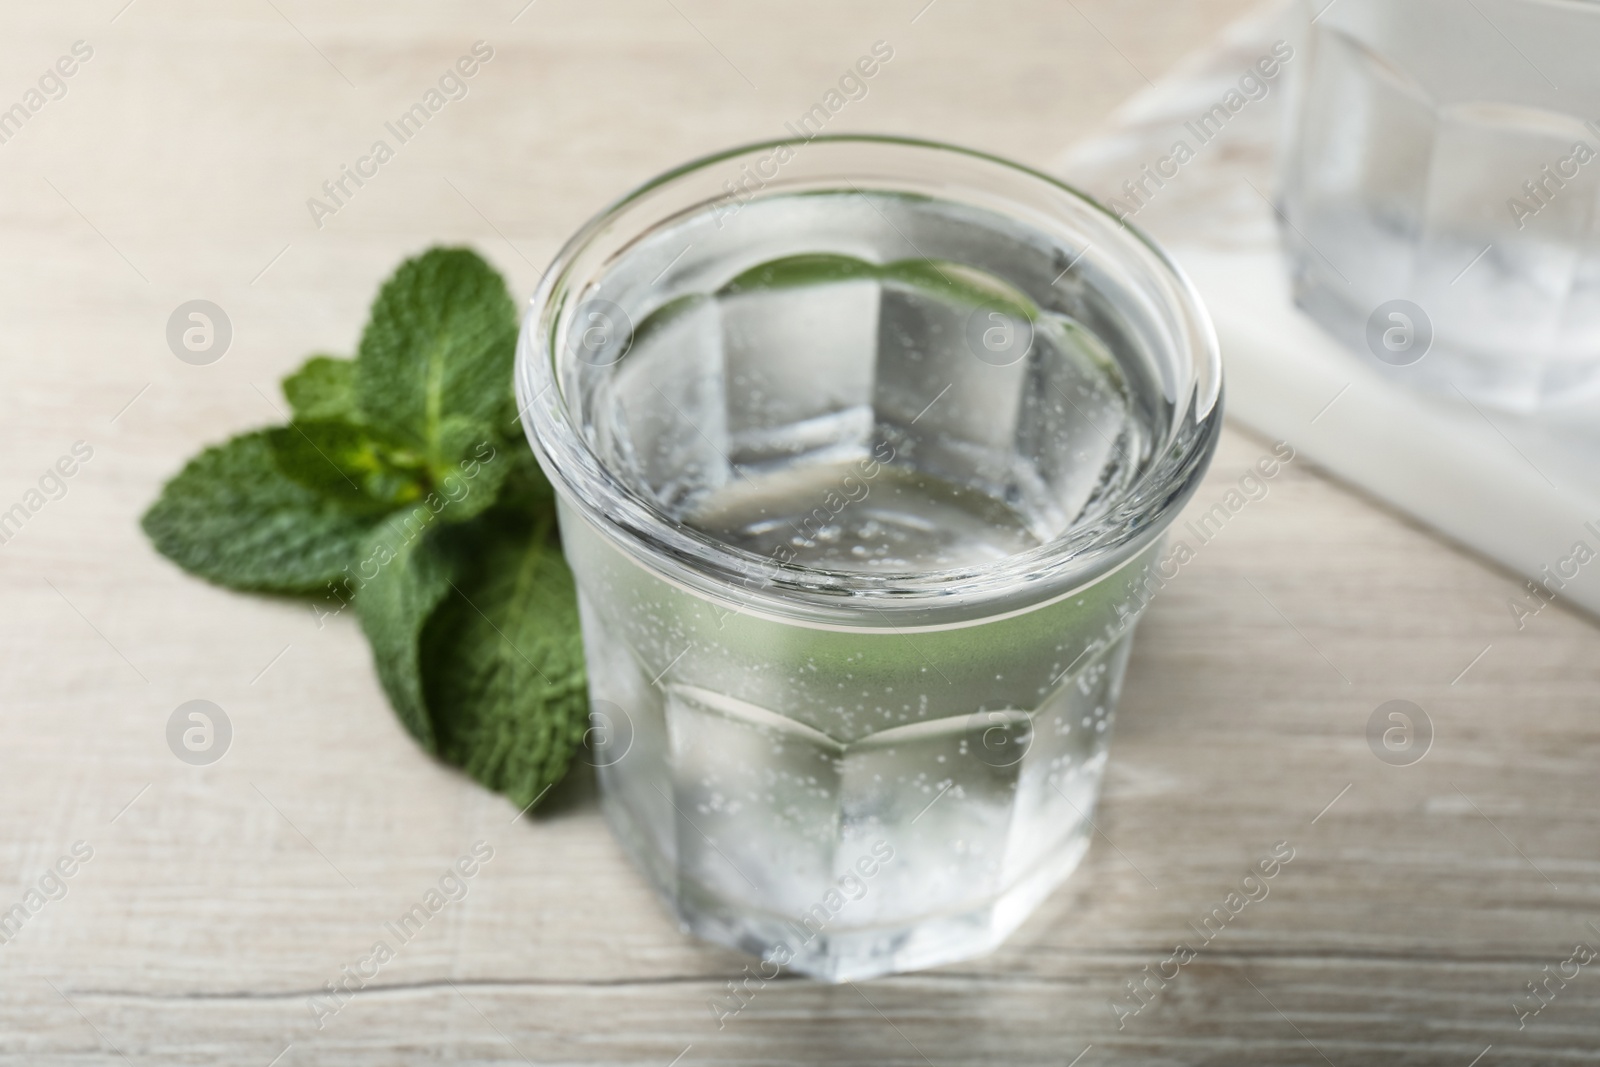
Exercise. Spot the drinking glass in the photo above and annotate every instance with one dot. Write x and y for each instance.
(864, 449)
(1441, 192)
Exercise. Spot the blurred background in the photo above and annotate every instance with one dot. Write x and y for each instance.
(1440, 890)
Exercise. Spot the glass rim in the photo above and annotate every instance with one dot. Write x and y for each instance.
(1078, 556)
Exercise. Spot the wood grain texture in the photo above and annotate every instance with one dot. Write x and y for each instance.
(219, 898)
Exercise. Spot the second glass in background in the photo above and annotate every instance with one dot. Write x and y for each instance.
(1441, 192)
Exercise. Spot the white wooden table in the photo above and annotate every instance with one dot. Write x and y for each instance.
(218, 899)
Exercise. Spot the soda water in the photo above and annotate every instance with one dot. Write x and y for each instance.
(843, 407)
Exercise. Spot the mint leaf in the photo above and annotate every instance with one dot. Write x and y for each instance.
(527, 494)
(233, 517)
(408, 562)
(353, 465)
(323, 388)
(439, 345)
(807, 268)
(962, 284)
(472, 485)
(502, 658)
(364, 471)
(397, 483)
(403, 574)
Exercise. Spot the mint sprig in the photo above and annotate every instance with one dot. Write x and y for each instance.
(323, 388)
(403, 486)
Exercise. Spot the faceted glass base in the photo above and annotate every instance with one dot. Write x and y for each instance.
(902, 848)
(813, 947)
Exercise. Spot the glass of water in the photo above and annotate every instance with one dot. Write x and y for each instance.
(864, 450)
(1441, 192)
